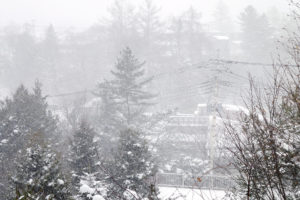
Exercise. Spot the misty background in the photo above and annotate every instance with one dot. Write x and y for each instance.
(149, 99)
(70, 46)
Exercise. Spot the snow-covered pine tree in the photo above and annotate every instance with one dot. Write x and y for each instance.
(91, 188)
(24, 114)
(83, 150)
(107, 119)
(128, 91)
(132, 171)
(125, 100)
(83, 158)
(39, 173)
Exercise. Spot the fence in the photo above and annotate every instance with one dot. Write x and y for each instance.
(201, 182)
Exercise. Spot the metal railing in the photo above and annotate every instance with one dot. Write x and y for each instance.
(202, 182)
(188, 121)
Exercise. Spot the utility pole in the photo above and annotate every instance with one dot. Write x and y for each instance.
(213, 127)
(213, 123)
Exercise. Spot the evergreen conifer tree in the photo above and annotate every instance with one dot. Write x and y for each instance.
(50, 58)
(256, 35)
(150, 28)
(125, 101)
(132, 170)
(83, 161)
(83, 150)
(24, 56)
(107, 119)
(127, 88)
(39, 174)
(222, 20)
(24, 114)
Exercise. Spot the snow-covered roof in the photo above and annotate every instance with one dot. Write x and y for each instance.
(230, 107)
(182, 115)
(189, 194)
(237, 42)
(221, 37)
(93, 102)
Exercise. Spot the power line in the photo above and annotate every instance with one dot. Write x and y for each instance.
(70, 93)
(235, 62)
(182, 70)
(240, 62)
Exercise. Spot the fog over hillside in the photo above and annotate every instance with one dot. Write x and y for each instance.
(149, 99)
(81, 14)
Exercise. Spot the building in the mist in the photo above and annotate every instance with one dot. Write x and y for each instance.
(195, 142)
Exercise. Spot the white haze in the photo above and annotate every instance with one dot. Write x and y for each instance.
(84, 13)
(127, 99)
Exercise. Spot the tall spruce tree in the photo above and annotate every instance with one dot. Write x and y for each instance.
(126, 100)
(127, 89)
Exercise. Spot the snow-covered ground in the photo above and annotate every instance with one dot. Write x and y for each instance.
(190, 194)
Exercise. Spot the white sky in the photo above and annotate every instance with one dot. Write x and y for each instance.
(83, 13)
